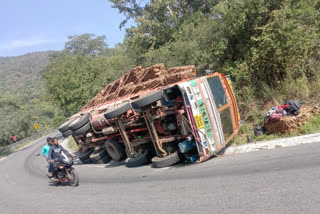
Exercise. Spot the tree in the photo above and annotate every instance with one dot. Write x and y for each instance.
(86, 44)
(266, 46)
(72, 78)
(22, 96)
(18, 117)
(157, 20)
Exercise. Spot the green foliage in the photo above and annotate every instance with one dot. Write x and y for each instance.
(70, 80)
(73, 78)
(311, 126)
(195, 43)
(21, 97)
(157, 21)
(286, 42)
(58, 120)
(73, 146)
(270, 48)
(18, 118)
(86, 44)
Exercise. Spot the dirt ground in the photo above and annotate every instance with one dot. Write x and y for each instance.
(292, 123)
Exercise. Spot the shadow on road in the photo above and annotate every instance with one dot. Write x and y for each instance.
(113, 163)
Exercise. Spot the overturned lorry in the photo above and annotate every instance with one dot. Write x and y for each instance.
(151, 114)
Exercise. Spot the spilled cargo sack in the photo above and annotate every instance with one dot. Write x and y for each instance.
(267, 117)
(275, 116)
(259, 130)
(293, 108)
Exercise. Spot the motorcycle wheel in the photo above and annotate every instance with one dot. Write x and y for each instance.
(75, 181)
(55, 183)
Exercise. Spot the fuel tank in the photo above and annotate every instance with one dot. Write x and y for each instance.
(99, 121)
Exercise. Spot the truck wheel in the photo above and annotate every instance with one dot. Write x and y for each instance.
(144, 101)
(85, 155)
(65, 126)
(78, 123)
(95, 156)
(104, 160)
(97, 148)
(82, 130)
(114, 149)
(137, 161)
(67, 133)
(166, 161)
(118, 111)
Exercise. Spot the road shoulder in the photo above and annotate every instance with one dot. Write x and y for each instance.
(271, 144)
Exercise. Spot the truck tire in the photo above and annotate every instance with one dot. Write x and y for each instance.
(144, 101)
(81, 131)
(118, 111)
(85, 155)
(78, 123)
(137, 161)
(65, 126)
(166, 161)
(97, 148)
(114, 149)
(67, 133)
(95, 156)
(104, 160)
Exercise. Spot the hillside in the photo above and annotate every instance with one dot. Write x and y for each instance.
(22, 100)
(21, 74)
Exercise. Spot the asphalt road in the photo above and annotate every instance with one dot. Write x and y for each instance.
(283, 180)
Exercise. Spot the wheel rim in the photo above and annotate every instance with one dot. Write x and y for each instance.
(72, 180)
(112, 152)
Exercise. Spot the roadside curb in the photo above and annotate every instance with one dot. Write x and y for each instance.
(29, 143)
(271, 144)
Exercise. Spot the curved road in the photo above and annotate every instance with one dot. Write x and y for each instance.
(284, 180)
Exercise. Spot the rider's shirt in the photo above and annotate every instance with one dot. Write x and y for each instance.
(45, 150)
(55, 152)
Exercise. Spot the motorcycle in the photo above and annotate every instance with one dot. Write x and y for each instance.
(64, 172)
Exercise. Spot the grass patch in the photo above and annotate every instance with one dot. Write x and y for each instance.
(311, 126)
(274, 136)
(72, 144)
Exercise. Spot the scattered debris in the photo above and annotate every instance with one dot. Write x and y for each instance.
(291, 123)
(290, 108)
(259, 130)
(249, 139)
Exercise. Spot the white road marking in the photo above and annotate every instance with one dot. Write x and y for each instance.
(103, 166)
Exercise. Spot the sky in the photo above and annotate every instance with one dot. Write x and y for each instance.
(40, 25)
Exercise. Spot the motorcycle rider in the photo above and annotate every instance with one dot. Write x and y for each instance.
(45, 153)
(55, 151)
